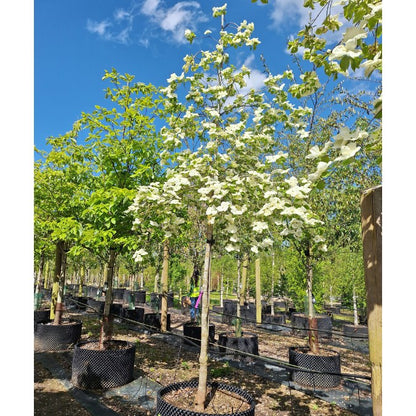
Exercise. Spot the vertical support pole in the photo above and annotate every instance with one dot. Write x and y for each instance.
(371, 213)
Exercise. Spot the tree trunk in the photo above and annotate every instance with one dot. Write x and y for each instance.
(244, 280)
(203, 355)
(313, 323)
(141, 279)
(39, 281)
(81, 279)
(354, 303)
(272, 288)
(107, 321)
(46, 274)
(238, 319)
(258, 292)
(156, 286)
(371, 225)
(56, 277)
(222, 291)
(61, 283)
(164, 305)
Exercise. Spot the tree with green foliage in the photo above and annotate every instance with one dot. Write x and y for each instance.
(121, 151)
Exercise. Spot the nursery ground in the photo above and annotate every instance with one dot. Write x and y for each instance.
(159, 362)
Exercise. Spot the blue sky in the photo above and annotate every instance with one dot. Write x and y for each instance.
(76, 40)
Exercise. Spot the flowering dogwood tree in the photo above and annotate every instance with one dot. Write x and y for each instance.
(219, 157)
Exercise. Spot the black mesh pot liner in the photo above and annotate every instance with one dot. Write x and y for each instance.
(164, 408)
(56, 337)
(323, 363)
(94, 369)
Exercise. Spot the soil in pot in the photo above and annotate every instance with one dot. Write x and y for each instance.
(177, 399)
(246, 343)
(192, 331)
(51, 337)
(326, 361)
(94, 369)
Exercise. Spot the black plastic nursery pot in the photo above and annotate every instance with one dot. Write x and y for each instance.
(118, 293)
(116, 309)
(153, 320)
(248, 343)
(94, 369)
(95, 306)
(92, 291)
(279, 304)
(276, 319)
(164, 408)
(80, 302)
(139, 296)
(327, 362)
(41, 315)
(229, 311)
(358, 331)
(300, 325)
(192, 333)
(50, 337)
(136, 314)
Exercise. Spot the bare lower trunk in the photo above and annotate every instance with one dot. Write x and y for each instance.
(56, 277)
(203, 355)
(258, 292)
(272, 288)
(244, 280)
(107, 321)
(59, 308)
(238, 319)
(81, 279)
(39, 281)
(313, 324)
(354, 303)
(222, 291)
(164, 305)
(46, 276)
(156, 286)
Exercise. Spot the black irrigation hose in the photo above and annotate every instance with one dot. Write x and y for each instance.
(274, 361)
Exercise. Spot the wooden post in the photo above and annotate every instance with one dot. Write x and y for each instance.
(371, 211)
(258, 292)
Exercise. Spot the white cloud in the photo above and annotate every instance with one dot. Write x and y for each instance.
(149, 7)
(256, 79)
(100, 28)
(286, 12)
(174, 20)
(165, 19)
